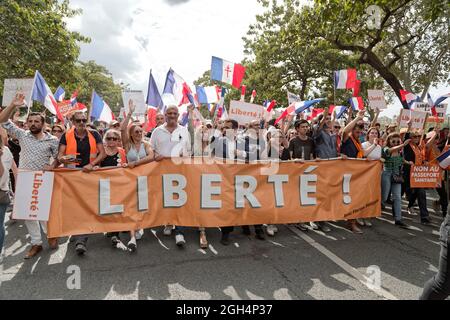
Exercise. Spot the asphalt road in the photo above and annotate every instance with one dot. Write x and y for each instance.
(291, 265)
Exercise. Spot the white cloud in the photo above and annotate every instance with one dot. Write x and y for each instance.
(132, 37)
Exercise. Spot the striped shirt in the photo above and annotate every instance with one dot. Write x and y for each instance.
(35, 153)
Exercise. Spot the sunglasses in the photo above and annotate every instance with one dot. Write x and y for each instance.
(396, 142)
(138, 132)
(112, 139)
(337, 127)
(81, 120)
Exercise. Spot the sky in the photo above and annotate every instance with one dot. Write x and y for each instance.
(131, 37)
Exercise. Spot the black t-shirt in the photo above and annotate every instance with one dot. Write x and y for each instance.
(110, 161)
(302, 149)
(349, 149)
(14, 147)
(83, 147)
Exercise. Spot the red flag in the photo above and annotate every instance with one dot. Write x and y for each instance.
(243, 88)
(151, 116)
(356, 87)
(272, 104)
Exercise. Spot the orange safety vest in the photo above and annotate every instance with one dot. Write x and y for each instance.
(71, 146)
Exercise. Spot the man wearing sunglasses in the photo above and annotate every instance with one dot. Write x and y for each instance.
(81, 148)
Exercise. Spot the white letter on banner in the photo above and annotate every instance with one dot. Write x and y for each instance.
(169, 190)
(277, 181)
(305, 189)
(142, 193)
(242, 192)
(105, 199)
(208, 190)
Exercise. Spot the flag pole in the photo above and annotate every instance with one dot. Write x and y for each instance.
(90, 107)
(334, 89)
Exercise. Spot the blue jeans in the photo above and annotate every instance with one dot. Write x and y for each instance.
(386, 187)
(3, 208)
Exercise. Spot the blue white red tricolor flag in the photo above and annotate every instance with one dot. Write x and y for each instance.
(60, 93)
(227, 72)
(409, 98)
(43, 94)
(298, 107)
(207, 95)
(444, 159)
(174, 87)
(357, 103)
(339, 110)
(153, 96)
(345, 79)
(441, 99)
(100, 109)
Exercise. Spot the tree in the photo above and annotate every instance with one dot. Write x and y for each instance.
(34, 36)
(389, 47)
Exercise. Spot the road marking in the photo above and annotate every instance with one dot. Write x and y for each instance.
(212, 249)
(344, 265)
(159, 240)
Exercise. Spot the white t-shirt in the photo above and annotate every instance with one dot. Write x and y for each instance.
(375, 154)
(7, 161)
(175, 144)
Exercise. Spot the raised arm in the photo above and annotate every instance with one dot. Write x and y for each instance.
(124, 125)
(19, 100)
(349, 127)
(375, 119)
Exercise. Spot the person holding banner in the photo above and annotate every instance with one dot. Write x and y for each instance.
(82, 149)
(6, 163)
(391, 178)
(138, 152)
(352, 148)
(37, 149)
(171, 140)
(414, 154)
(432, 152)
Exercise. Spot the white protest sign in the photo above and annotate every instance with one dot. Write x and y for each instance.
(376, 99)
(417, 118)
(138, 101)
(421, 106)
(33, 195)
(244, 112)
(12, 86)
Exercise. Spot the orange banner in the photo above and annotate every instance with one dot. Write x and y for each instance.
(213, 194)
(429, 176)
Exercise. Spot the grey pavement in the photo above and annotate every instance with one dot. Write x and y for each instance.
(292, 265)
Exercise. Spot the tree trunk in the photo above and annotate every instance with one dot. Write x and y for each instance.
(371, 59)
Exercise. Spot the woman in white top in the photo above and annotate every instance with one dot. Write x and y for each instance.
(6, 163)
(372, 151)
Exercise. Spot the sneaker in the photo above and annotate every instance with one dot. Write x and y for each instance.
(401, 224)
(274, 227)
(179, 240)
(132, 245)
(323, 226)
(168, 230)
(115, 241)
(436, 205)
(139, 234)
(270, 230)
(360, 222)
(35, 249)
(302, 226)
(412, 211)
(203, 241)
(314, 225)
(80, 249)
(367, 222)
(225, 240)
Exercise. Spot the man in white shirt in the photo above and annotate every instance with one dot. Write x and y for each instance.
(171, 140)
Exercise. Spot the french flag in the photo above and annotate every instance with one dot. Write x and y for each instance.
(444, 159)
(432, 105)
(227, 72)
(153, 97)
(339, 110)
(60, 93)
(304, 105)
(345, 79)
(441, 99)
(357, 103)
(43, 94)
(100, 109)
(207, 95)
(409, 97)
(174, 87)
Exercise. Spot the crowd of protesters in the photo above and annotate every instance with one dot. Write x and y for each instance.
(78, 144)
